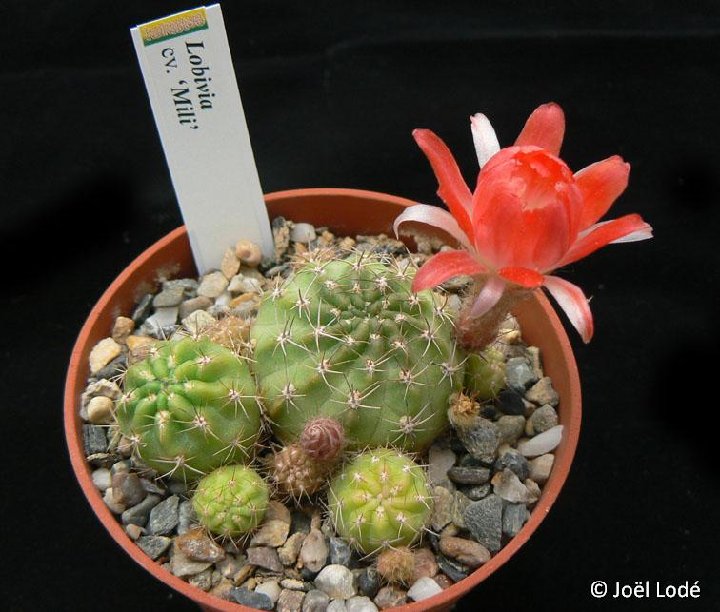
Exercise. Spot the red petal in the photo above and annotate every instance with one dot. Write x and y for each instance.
(573, 301)
(599, 235)
(453, 190)
(544, 128)
(522, 276)
(446, 265)
(600, 184)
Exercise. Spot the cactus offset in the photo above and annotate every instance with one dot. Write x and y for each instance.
(231, 501)
(380, 500)
(295, 474)
(485, 374)
(189, 408)
(348, 340)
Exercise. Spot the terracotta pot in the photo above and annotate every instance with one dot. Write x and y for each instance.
(344, 211)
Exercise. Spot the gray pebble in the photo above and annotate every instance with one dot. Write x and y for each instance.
(94, 439)
(360, 604)
(514, 461)
(541, 420)
(540, 468)
(127, 488)
(511, 427)
(442, 512)
(469, 475)
(315, 601)
(143, 309)
(164, 517)
(154, 546)
(203, 580)
(514, 517)
(508, 486)
(542, 392)
(340, 551)
(251, 599)
(193, 304)
(481, 439)
(171, 295)
(519, 374)
(440, 460)
(303, 232)
(139, 514)
(511, 402)
(265, 557)
(271, 588)
(337, 581)
(368, 581)
(314, 551)
(477, 492)
(337, 605)
(455, 571)
(186, 517)
(483, 519)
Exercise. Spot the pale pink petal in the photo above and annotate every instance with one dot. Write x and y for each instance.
(608, 232)
(489, 295)
(484, 138)
(573, 301)
(544, 128)
(432, 215)
(446, 265)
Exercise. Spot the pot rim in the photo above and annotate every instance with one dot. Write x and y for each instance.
(77, 373)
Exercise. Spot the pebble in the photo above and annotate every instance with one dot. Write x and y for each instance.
(423, 588)
(193, 304)
(196, 321)
(425, 564)
(100, 410)
(127, 488)
(288, 552)
(265, 557)
(281, 236)
(360, 604)
(94, 439)
(453, 570)
(213, 284)
(368, 581)
(230, 264)
(314, 551)
(511, 427)
(542, 392)
(186, 517)
(101, 478)
(172, 295)
(122, 328)
(465, 551)
(442, 512)
(154, 546)
(540, 468)
(477, 492)
(240, 283)
(135, 531)
(460, 502)
(541, 419)
(139, 513)
(203, 580)
(340, 551)
(248, 253)
(469, 475)
(390, 596)
(161, 319)
(271, 588)
(182, 566)
(290, 601)
(514, 517)
(510, 402)
(519, 374)
(315, 601)
(337, 581)
(164, 516)
(196, 545)
(542, 443)
(277, 511)
(483, 519)
(114, 506)
(512, 460)
(103, 353)
(251, 599)
(440, 460)
(337, 605)
(481, 439)
(271, 533)
(303, 232)
(534, 491)
(294, 584)
(508, 486)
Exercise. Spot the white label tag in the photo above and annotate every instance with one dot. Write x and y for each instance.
(189, 76)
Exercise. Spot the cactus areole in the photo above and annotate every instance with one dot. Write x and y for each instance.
(189, 408)
(348, 340)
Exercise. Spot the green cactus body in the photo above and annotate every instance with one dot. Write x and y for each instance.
(189, 408)
(348, 339)
(379, 500)
(231, 501)
(485, 374)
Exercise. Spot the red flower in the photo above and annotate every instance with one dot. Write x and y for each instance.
(529, 214)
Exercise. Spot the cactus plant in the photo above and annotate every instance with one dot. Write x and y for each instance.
(380, 500)
(189, 408)
(485, 374)
(348, 341)
(231, 501)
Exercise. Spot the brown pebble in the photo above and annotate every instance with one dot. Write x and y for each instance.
(277, 511)
(425, 564)
(468, 552)
(390, 596)
(265, 557)
(443, 581)
(248, 253)
(230, 264)
(198, 546)
(290, 601)
(122, 328)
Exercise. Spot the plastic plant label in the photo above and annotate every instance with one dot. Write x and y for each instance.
(188, 72)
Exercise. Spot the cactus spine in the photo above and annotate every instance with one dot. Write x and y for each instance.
(348, 340)
(231, 501)
(380, 500)
(189, 408)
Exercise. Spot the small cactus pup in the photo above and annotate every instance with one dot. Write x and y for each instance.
(380, 500)
(295, 474)
(485, 374)
(190, 407)
(231, 501)
(348, 356)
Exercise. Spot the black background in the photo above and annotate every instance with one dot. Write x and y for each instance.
(332, 91)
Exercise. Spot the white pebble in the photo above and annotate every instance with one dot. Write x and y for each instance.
(99, 410)
(302, 232)
(542, 443)
(336, 605)
(270, 588)
(101, 479)
(360, 604)
(337, 581)
(423, 588)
